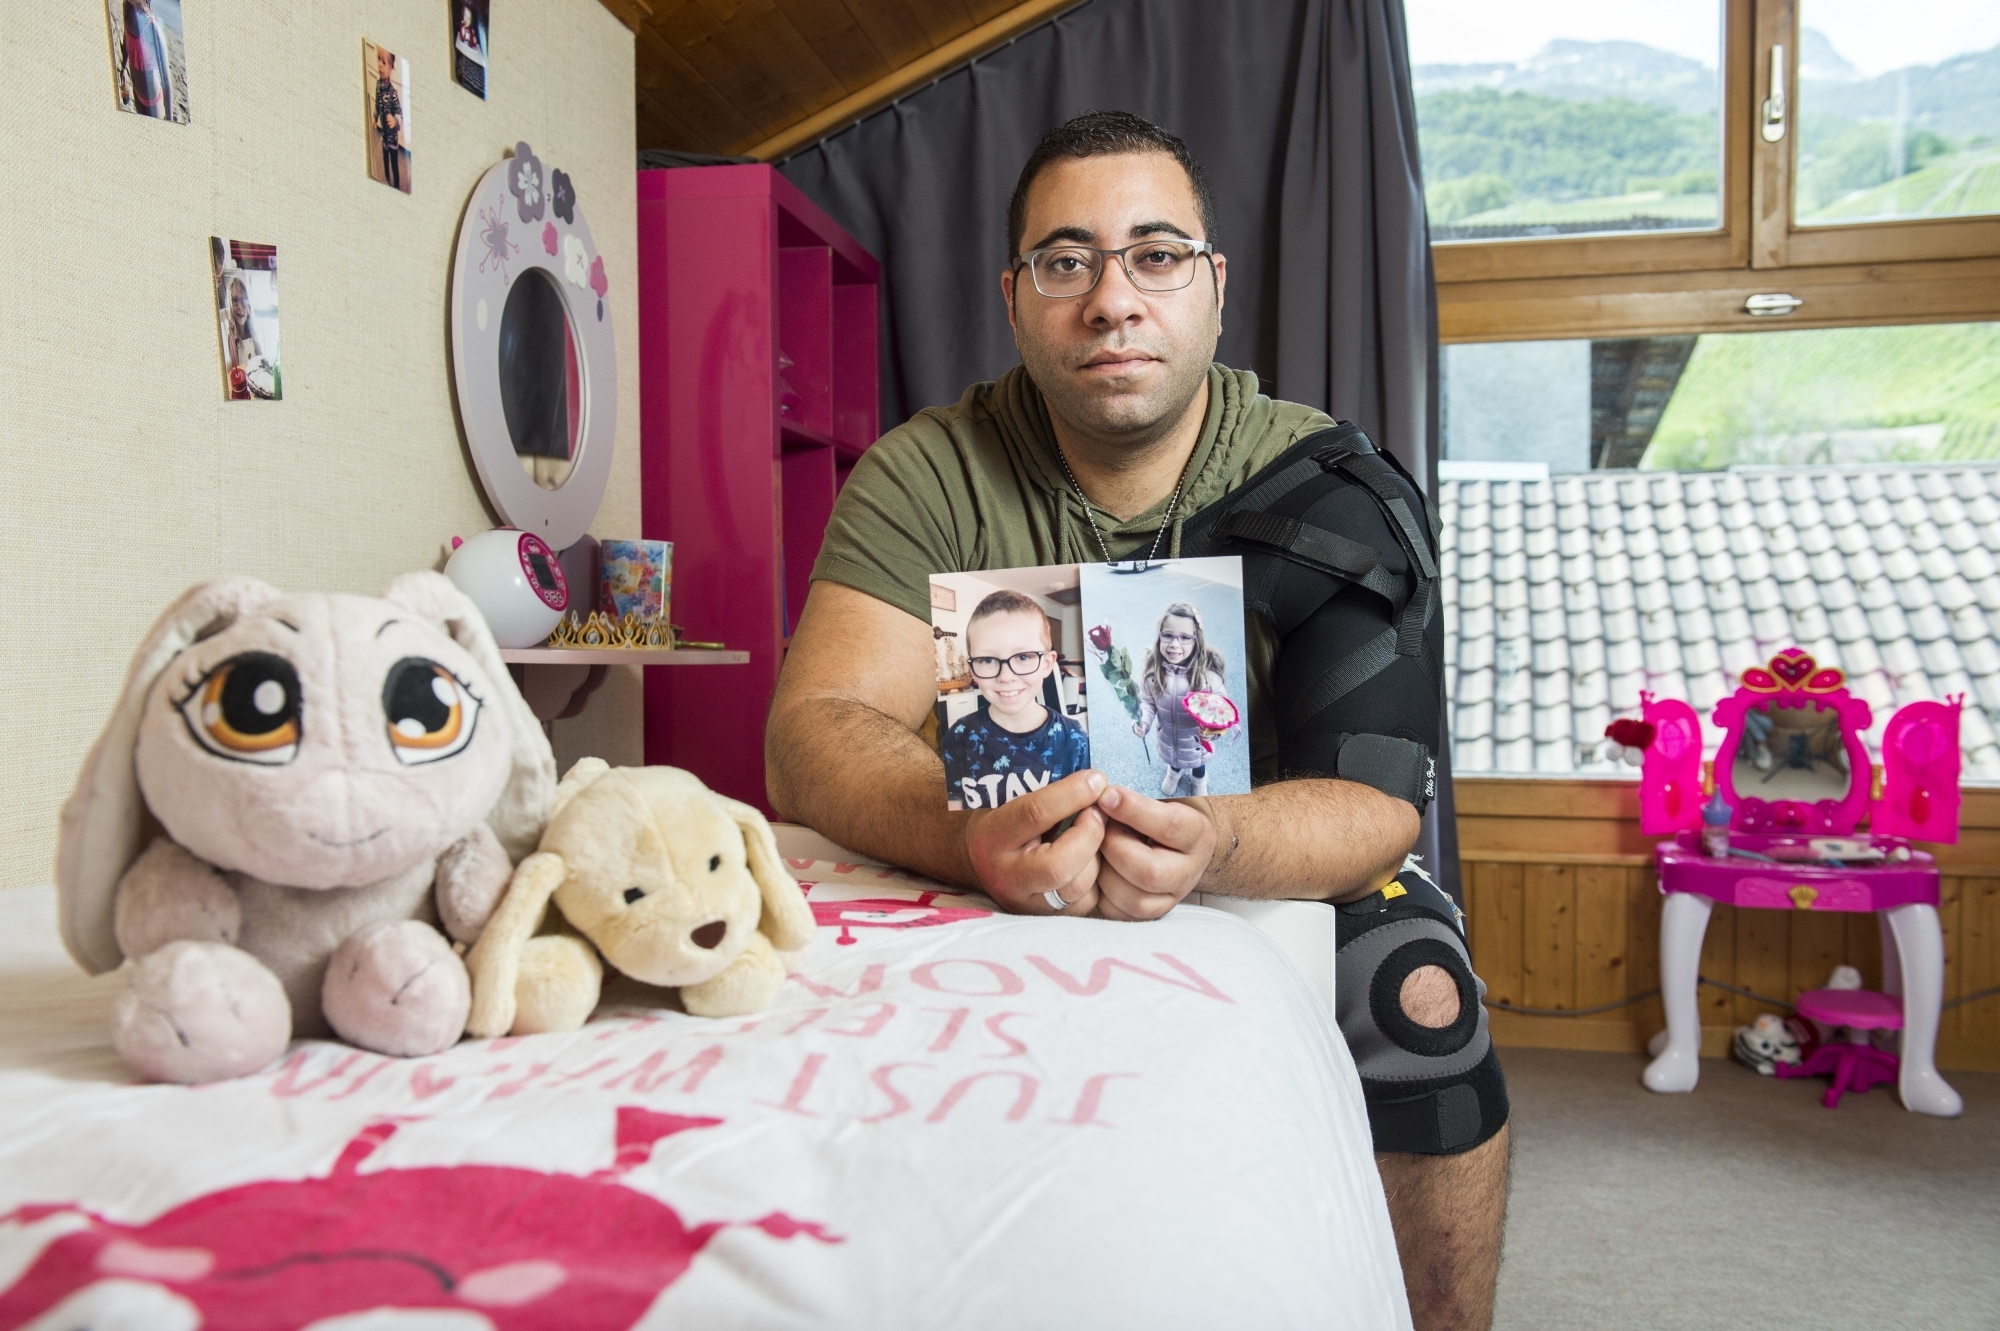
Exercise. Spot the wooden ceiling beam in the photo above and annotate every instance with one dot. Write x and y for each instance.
(941, 60)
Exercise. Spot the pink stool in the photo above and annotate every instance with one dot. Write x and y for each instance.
(1855, 1064)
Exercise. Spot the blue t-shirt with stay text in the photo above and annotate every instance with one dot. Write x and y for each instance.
(985, 766)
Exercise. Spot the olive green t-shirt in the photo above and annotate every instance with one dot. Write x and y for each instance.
(979, 485)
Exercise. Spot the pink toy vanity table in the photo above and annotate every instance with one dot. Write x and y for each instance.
(1793, 770)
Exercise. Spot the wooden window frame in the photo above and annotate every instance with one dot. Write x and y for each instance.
(1660, 283)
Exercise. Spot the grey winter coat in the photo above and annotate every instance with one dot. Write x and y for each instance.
(1177, 739)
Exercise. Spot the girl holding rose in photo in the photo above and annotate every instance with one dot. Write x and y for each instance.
(1180, 663)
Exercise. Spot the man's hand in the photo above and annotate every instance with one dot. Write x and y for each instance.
(1154, 853)
(1017, 868)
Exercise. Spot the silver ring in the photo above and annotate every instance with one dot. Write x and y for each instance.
(1055, 900)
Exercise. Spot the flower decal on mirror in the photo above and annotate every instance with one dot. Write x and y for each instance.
(598, 282)
(562, 196)
(576, 261)
(549, 237)
(528, 184)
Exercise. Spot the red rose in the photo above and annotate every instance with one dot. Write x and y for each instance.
(1100, 637)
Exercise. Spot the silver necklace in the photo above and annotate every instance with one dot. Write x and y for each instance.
(1173, 506)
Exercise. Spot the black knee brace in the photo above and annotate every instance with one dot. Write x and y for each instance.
(1431, 1090)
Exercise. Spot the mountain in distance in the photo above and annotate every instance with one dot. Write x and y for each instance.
(1575, 71)
(1957, 98)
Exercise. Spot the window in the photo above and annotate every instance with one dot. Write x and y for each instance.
(1621, 167)
(1552, 120)
(1783, 397)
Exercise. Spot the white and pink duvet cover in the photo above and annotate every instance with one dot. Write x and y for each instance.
(952, 1118)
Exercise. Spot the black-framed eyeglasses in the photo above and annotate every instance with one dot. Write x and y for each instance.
(1163, 263)
(1021, 663)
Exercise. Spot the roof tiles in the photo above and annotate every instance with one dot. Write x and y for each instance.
(1563, 598)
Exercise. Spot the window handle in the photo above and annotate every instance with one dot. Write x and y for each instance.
(1774, 105)
(1767, 306)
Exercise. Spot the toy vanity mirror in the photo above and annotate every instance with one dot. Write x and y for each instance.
(533, 359)
(1792, 752)
(1792, 756)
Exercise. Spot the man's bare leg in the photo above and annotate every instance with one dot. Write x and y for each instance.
(1448, 1211)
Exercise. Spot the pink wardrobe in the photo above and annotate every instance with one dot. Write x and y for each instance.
(757, 393)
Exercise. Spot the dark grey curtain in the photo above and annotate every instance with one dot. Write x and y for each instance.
(1300, 110)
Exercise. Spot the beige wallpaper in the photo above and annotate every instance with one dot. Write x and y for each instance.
(127, 477)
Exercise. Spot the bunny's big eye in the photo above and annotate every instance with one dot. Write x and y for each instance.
(714, 863)
(247, 710)
(431, 712)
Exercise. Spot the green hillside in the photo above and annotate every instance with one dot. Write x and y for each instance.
(1956, 185)
(1776, 396)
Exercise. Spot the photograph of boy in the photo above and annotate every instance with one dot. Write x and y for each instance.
(386, 82)
(468, 45)
(1157, 637)
(246, 300)
(148, 59)
(1016, 733)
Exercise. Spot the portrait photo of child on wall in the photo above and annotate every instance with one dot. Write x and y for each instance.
(385, 84)
(1010, 709)
(1165, 641)
(148, 58)
(246, 307)
(468, 45)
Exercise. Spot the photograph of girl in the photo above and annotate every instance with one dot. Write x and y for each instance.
(1166, 642)
(246, 306)
(149, 58)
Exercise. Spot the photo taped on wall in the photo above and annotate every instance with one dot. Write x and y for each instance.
(149, 58)
(469, 64)
(385, 83)
(246, 304)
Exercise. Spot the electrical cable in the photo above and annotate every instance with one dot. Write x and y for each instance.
(1498, 1006)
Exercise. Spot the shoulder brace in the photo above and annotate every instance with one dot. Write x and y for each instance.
(1339, 552)
(1430, 1090)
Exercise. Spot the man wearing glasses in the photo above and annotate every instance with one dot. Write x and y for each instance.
(1115, 428)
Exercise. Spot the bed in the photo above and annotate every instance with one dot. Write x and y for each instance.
(951, 1118)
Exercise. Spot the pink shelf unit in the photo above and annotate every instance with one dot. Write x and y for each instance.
(757, 393)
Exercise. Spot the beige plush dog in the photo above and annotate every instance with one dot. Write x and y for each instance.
(293, 792)
(674, 885)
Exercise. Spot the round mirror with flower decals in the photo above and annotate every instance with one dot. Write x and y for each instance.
(533, 360)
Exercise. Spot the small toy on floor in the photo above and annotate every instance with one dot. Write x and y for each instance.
(673, 884)
(292, 797)
(1767, 1042)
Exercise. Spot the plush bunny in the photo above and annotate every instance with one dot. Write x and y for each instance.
(672, 883)
(291, 794)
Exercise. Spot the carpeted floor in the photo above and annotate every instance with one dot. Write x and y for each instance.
(1744, 1204)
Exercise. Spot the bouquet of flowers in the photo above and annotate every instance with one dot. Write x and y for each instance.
(1213, 713)
(1115, 664)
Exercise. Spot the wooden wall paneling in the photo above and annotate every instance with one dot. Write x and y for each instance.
(1718, 962)
(1763, 959)
(1548, 935)
(1601, 936)
(1496, 930)
(1979, 953)
(1951, 899)
(1820, 941)
(1864, 948)
(1642, 948)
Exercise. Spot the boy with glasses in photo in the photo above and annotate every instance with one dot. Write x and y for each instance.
(1013, 744)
